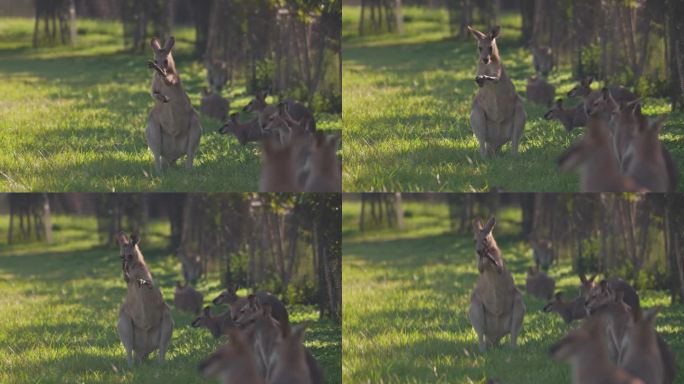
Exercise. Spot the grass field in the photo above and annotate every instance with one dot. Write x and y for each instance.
(73, 118)
(60, 305)
(407, 102)
(406, 297)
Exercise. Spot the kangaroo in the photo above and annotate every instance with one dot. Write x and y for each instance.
(217, 325)
(497, 114)
(236, 303)
(288, 362)
(625, 123)
(191, 265)
(173, 128)
(593, 158)
(186, 298)
(296, 110)
(214, 105)
(217, 74)
(568, 310)
(145, 322)
(542, 59)
(496, 305)
(585, 351)
(542, 253)
(619, 93)
(615, 314)
(324, 171)
(244, 132)
(279, 166)
(590, 290)
(641, 355)
(539, 284)
(539, 91)
(647, 163)
(570, 118)
(233, 363)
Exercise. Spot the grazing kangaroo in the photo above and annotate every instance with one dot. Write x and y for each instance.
(615, 314)
(145, 322)
(233, 363)
(585, 351)
(297, 111)
(542, 59)
(593, 158)
(641, 356)
(217, 325)
(648, 163)
(590, 290)
(542, 253)
(539, 91)
(214, 105)
(173, 128)
(539, 284)
(568, 310)
(497, 114)
(244, 132)
(570, 118)
(324, 167)
(236, 303)
(496, 305)
(186, 298)
(288, 362)
(619, 93)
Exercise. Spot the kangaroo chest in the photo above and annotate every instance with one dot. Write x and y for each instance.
(145, 308)
(175, 115)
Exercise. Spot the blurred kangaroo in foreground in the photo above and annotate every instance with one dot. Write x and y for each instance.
(244, 132)
(568, 310)
(186, 298)
(288, 363)
(279, 169)
(497, 115)
(542, 59)
(570, 118)
(173, 128)
(610, 307)
(217, 325)
(233, 363)
(646, 159)
(539, 284)
(642, 353)
(325, 173)
(145, 322)
(539, 91)
(585, 351)
(590, 290)
(496, 305)
(237, 303)
(593, 158)
(297, 110)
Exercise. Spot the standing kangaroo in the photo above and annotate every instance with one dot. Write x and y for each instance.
(570, 118)
(641, 355)
(496, 305)
(173, 128)
(497, 115)
(145, 322)
(647, 161)
(233, 362)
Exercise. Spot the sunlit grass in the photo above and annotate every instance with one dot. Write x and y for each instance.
(407, 101)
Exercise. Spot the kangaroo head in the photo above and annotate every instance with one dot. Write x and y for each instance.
(236, 128)
(600, 104)
(486, 45)
(641, 330)
(587, 337)
(586, 284)
(228, 296)
(258, 103)
(598, 296)
(543, 59)
(231, 361)
(280, 120)
(202, 319)
(558, 112)
(162, 56)
(531, 271)
(488, 254)
(179, 286)
(555, 304)
(217, 74)
(249, 312)
(583, 88)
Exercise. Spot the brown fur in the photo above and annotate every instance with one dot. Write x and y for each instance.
(543, 253)
(214, 105)
(279, 166)
(191, 265)
(585, 351)
(539, 284)
(496, 305)
(173, 129)
(539, 91)
(325, 173)
(590, 289)
(244, 132)
(583, 89)
(568, 310)
(542, 59)
(497, 115)
(641, 356)
(186, 298)
(289, 362)
(570, 118)
(145, 322)
(233, 363)
(647, 164)
(297, 111)
(615, 315)
(236, 303)
(217, 325)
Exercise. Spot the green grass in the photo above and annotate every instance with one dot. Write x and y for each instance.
(406, 297)
(60, 305)
(73, 118)
(407, 101)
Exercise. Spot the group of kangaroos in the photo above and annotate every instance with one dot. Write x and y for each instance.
(295, 156)
(616, 342)
(263, 347)
(620, 150)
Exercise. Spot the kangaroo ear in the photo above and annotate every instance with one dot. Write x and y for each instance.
(122, 239)
(587, 81)
(170, 42)
(583, 277)
(476, 34)
(154, 43)
(283, 108)
(477, 225)
(298, 332)
(592, 278)
(495, 32)
(490, 224)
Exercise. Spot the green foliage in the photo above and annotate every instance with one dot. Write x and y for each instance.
(60, 304)
(406, 296)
